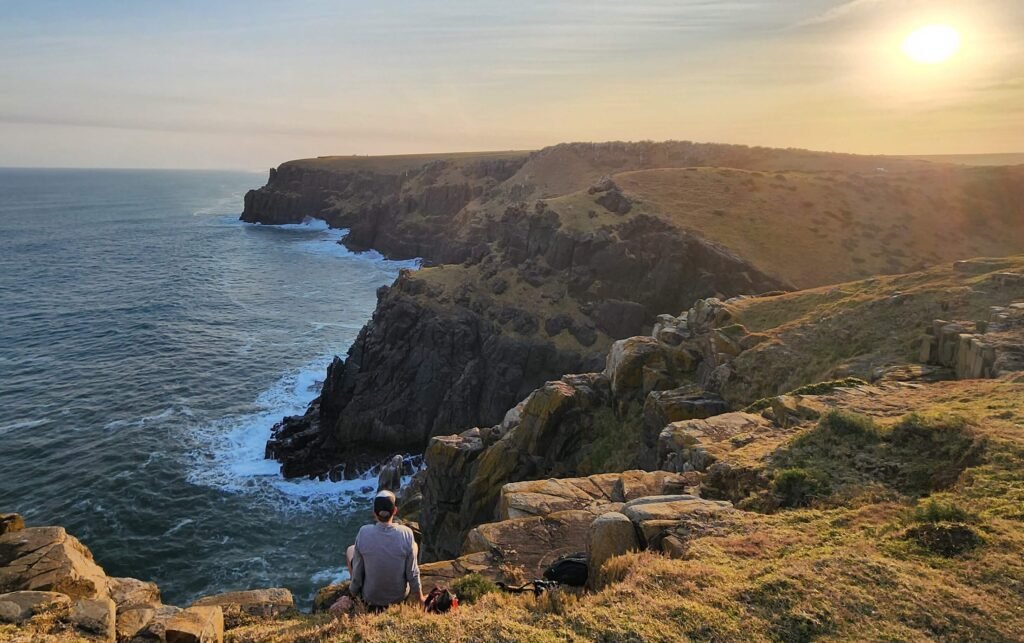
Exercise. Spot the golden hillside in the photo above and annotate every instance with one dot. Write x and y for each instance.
(814, 228)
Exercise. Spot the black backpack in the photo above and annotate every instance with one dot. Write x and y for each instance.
(570, 569)
(441, 600)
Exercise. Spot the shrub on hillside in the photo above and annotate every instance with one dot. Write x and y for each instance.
(798, 487)
(935, 511)
(850, 425)
(471, 587)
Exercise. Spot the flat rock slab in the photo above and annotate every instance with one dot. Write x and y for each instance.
(196, 625)
(95, 615)
(132, 621)
(737, 438)
(16, 607)
(48, 559)
(242, 607)
(132, 592)
(654, 516)
(533, 543)
(544, 497)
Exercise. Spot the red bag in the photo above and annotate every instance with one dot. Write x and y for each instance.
(441, 600)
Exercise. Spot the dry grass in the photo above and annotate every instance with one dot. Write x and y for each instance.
(846, 572)
(814, 228)
(857, 328)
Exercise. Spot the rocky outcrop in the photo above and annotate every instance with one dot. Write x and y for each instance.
(445, 353)
(404, 208)
(48, 559)
(979, 350)
(240, 608)
(49, 574)
(553, 433)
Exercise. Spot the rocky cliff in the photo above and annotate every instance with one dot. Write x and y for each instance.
(541, 260)
(650, 405)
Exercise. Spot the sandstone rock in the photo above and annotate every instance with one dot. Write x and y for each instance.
(464, 479)
(327, 596)
(627, 360)
(95, 615)
(706, 315)
(543, 497)
(132, 621)
(684, 403)
(390, 477)
(16, 607)
(156, 627)
(443, 573)
(132, 592)
(611, 534)
(653, 516)
(9, 523)
(48, 559)
(196, 625)
(693, 445)
(533, 543)
(596, 493)
(790, 410)
(241, 607)
(640, 484)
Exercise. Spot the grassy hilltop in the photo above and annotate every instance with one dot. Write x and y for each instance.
(889, 511)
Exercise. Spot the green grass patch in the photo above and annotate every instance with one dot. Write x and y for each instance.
(471, 587)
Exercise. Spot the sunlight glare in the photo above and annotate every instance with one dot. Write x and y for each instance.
(932, 44)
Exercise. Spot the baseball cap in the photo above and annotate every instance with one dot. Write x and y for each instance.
(384, 504)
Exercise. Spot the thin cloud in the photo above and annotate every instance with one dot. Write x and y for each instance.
(838, 12)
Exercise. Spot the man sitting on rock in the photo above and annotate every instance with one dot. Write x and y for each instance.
(383, 562)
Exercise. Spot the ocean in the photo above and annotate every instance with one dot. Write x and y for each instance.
(148, 342)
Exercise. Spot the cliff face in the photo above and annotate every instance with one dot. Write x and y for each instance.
(541, 260)
(404, 208)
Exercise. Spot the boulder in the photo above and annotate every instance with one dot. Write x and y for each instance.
(465, 474)
(790, 410)
(706, 315)
(16, 607)
(96, 616)
(444, 573)
(611, 534)
(596, 493)
(132, 592)
(684, 403)
(627, 360)
(543, 497)
(242, 607)
(533, 543)
(48, 559)
(151, 622)
(693, 445)
(390, 478)
(326, 596)
(640, 484)
(615, 201)
(655, 515)
(132, 621)
(196, 625)
(10, 523)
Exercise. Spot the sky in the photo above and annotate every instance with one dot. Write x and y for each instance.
(248, 85)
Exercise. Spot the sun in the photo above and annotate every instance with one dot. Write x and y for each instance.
(932, 44)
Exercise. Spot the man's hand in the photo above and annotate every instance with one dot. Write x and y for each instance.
(423, 600)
